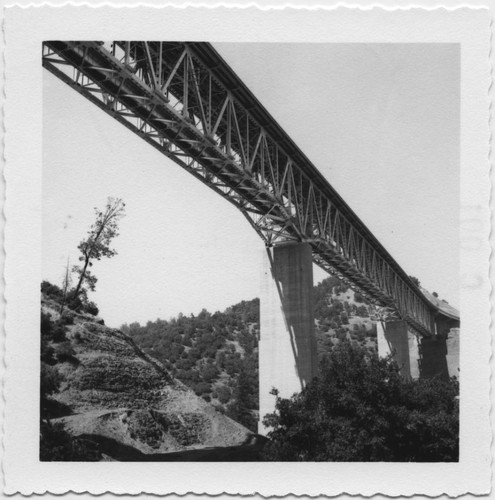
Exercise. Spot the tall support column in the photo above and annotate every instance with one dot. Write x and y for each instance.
(433, 357)
(414, 342)
(453, 352)
(419, 357)
(287, 348)
(393, 338)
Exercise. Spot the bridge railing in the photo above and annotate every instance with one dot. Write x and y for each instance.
(184, 100)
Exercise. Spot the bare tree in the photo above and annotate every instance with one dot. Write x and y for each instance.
(97, 244)
(66, 283)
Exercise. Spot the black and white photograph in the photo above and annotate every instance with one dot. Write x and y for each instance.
(255, 250)
(354, 360)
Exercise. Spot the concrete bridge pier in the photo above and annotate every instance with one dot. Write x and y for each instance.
(393, 337)
(439, 355)
(287, 347)
(419, 357)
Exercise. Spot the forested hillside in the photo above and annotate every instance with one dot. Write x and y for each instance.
(214, 354)
(217, 354)
(341, 313)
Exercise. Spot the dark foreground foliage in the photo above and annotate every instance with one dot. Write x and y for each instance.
(57, 445)
(361, 409)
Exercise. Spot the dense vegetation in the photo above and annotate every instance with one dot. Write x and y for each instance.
(217, 354)
(214, 354)
(358, 409)
(341, 314)
(55, 443)
(361, 409)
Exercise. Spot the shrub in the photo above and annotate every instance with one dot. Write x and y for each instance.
(219, 408)
(45, 324)
(209, 373)
(52, 330)
(47, 352)
(91, 308)
(361, 409)
(51, 290)
(58, 332)
(58, 445)
(50, 380)
(201, 388)
(362, 311)
(224, 394)
(76, 302)
(65, 352)
(67, 317)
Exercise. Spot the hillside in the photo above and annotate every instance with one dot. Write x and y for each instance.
(340, 314)
(216, 355)
(173, 386)
(103, 398)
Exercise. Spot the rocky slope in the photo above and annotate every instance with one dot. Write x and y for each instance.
(119, 399)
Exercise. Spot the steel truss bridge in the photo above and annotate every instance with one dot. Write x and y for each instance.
(184, 100)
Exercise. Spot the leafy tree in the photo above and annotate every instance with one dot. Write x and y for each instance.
(223, 393)
(240, 408)
(202, 388)
(362, 311)
(97, 243)
(209, 373)
(415, 280)
(361, 409)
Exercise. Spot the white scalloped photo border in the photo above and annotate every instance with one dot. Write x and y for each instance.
(25, 29)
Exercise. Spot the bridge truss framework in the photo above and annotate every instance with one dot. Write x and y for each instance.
(185, 101)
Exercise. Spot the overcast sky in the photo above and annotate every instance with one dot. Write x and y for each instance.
(380, 121)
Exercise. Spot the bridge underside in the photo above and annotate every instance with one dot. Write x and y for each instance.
(184, 100)
(287, 349)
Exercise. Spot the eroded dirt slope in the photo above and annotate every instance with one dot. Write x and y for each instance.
(125, 401)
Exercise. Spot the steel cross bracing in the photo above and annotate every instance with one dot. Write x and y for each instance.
(184, 100)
